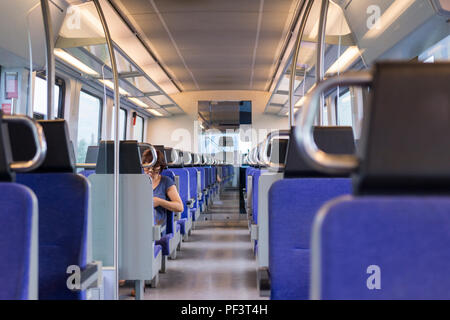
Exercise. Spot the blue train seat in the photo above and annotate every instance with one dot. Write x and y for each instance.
(256, 174)
(174, 161)
(248, 192)
(170, 240)
(181, 222)
(391, 239)
(181, 178)
(208, 198)
(188, 161)
(293, 203)
(277, 148)
(18, 231)
(63, 198)
(252, 193)
(214, 180)
(201, 193)
(194, 203)
(182, 175)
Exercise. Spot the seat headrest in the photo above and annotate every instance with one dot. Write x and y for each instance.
(187, 159)
(145, 146)
(405, 143)
(170, 158)
(334, 140)
(130, 158)
(5, 153)
(160, 148)
(142, 148)
(91, 154)
(60, 155)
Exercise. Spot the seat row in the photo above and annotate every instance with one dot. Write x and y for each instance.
(195, 179)
(373, 226)
(44, 252)
(57, 239)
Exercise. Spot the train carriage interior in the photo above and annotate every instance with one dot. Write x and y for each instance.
(225, 150)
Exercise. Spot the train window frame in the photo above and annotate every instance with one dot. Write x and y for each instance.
(142, 129)
(337, 104)
(125, 123)
(61, 83)
(100, 117)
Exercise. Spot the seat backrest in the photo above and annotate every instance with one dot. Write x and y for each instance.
(390, 240)
(130, 158)
(410, 159)
(170, 223)
(293, 204)
(183, 188)
(192, 182)
(136, 252)
(278, 150)
(63, 211)
(18, 242)
(207, 176)
(202, 175)
(91, 157)
(60, 157)
(18, 231)
(334, 140)
(255, 181)
(91, 154)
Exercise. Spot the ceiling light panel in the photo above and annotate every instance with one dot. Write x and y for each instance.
(74, 62)
(161, 100)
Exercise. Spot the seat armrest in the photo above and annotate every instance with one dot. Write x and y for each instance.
(190, 203)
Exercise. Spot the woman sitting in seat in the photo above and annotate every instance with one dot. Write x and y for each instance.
(165, 194)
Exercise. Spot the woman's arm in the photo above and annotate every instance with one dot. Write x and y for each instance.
(175, 204)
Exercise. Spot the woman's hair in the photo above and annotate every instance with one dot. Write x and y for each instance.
(147, 157)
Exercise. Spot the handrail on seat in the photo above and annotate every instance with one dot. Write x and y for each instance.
(260, 154)
(197, 159)
(189, 158)
(304, 137)
(154, 154)
(270, 137)
(39, 141)
(175, 159)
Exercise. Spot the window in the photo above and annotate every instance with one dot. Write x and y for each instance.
(344, 110)
(89, 123)
(138, 133)
(325, 115)
(40, 98)
(122, 124)
(438, 52)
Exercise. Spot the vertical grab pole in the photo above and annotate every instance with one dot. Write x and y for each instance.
(321, 49)
(116, 145)
(49, 38)
(294, 61)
